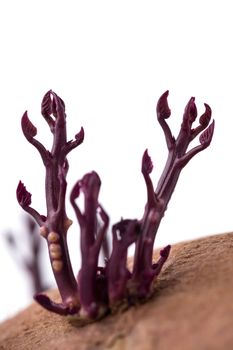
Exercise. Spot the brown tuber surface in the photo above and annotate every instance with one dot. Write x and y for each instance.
(192, 308)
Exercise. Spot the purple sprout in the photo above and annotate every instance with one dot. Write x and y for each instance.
(97, 290)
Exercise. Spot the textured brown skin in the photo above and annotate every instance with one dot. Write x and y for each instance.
(192, 308)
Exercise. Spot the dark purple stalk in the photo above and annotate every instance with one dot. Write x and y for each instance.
(92, 236)
(157, 200)
(125, 233)
(54, 226)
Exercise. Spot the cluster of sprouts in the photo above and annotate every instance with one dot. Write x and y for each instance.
(96, 290)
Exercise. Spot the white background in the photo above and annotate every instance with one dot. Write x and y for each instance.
(110, 61)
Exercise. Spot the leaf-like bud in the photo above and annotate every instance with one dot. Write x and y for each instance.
(28, 128)
(74, 143)
(46, 105)
(190, 112)
(147, 165)
(79, 136)
(23, 196)
(57, 104)
(206, 116)
(165, 251)
(163, 110)
(46, 110)
(52, 104)
(193, 111)
(206, 136)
